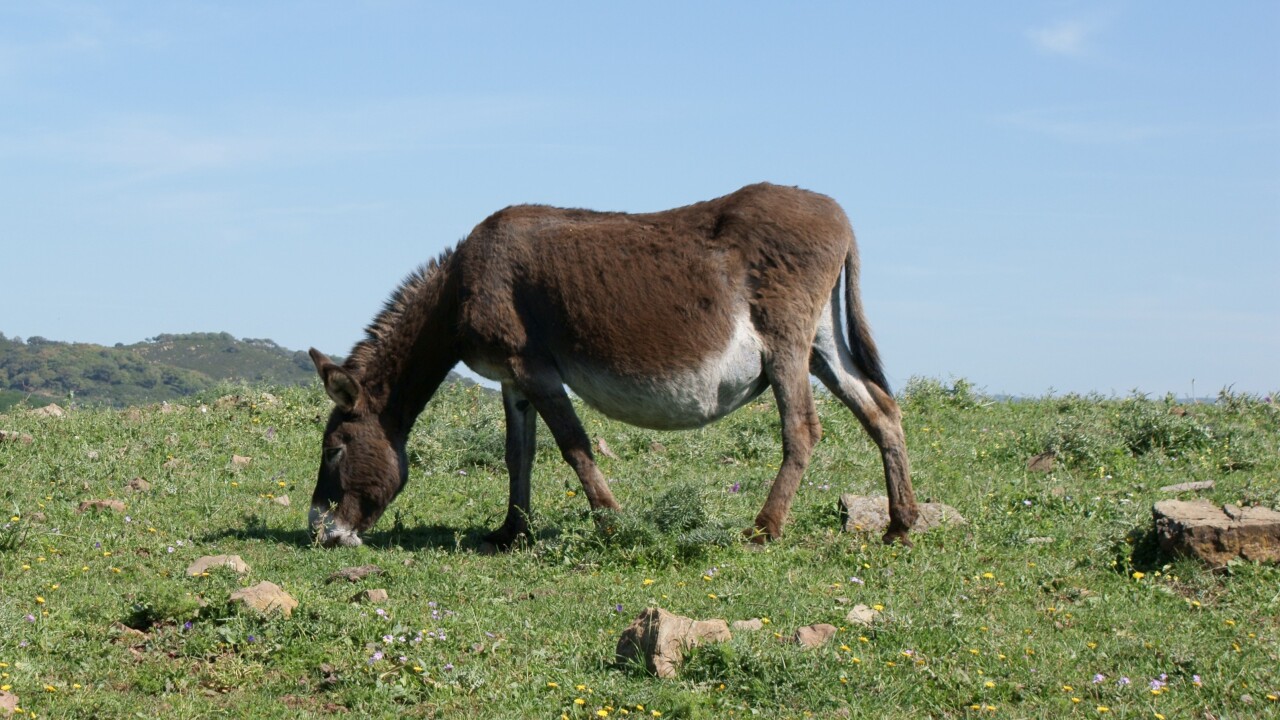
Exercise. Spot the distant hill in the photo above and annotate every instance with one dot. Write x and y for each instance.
(165, 367)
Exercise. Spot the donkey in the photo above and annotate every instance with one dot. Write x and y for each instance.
(664, 320)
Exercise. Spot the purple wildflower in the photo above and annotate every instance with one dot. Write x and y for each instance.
(1123, 681)
(1099, 678)
(375, 657)
(857, 581)
(1195, 680)
(448, 667)
(252, 639)
(187, 625)
(388, 639)
(736, 487)
(30, 618)
(616, 608)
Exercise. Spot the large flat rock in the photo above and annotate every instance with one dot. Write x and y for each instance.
(660, 639)
(870, 513)
(1217, 534)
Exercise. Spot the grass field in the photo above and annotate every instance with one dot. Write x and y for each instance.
(1050, 603)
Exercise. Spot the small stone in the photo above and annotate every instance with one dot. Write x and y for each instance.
(138, 485)
(51, 410)
(1215, 534)
(862, 615)
(748, 625)
(239, 461)
(1040, 541)
(354, 574)
(92, 454)
(377, 595)
(657, 447)
(15, 436)
(605, 450)
(266, 597)
(812, 636)
(8, 703)
(1042, 463)
(115, 505)
(211, 562)
(1188, 486)
(863, 513)
(660, 639)
(282, 500)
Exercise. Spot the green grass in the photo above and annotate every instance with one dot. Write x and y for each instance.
(1052, 583)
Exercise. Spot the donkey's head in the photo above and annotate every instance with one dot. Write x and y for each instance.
(363, 466)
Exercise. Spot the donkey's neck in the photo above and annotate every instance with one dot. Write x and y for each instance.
(409, 347)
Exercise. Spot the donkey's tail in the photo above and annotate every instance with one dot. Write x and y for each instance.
(863, 348)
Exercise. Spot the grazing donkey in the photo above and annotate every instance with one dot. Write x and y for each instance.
(665, 320)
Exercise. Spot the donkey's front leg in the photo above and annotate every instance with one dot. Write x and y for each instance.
(557, 412)
(522, 425)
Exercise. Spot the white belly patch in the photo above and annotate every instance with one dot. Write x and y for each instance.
(721, 384)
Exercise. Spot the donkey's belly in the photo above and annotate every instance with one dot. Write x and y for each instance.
(688, 398)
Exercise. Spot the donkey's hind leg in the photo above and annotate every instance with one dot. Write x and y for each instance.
(801, 430)
(879, 414)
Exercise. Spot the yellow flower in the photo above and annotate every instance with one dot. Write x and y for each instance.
(553, 684)
(1075, 700)
(579, 701)
(647, 582)
(1067, 688)
(988, 576)
(569, 493)
(988, 684)
(50, 688)
(877, 607)
(602, 713)
(1138, 575)
(1103, 709)
(39, 600)
(579, 687)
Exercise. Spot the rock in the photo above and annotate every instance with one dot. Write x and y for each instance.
(265, 597)
(212, 562)
(1042, 463)
(657, 447)
(15, 436)
(748, 625)
(92, 454)
(138, 485)
(1188, 486)
(51, 410)
(370, 596)
(116, 505)
(354, 574)
(239, 461)
(660, 639)
(282, 501)
(8, 703)
(605, 450)
(1215, 534)
(1040, 540)
(812, 636)
(870, 513)
(172, 464)
(862, 615)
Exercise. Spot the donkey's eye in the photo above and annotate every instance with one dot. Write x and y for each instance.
(331, 454)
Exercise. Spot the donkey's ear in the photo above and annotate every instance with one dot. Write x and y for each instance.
(342, 388)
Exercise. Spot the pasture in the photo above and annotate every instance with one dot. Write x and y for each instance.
(1050, 603)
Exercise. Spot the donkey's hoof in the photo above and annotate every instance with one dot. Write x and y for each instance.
(759, 536)
(897, 536)
(501, 539)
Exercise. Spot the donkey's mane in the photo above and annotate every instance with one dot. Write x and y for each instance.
(394, 328)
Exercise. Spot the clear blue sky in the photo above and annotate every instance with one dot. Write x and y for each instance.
(1076, 196)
